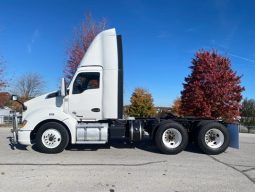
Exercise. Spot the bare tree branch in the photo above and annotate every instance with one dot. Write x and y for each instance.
(29, 86)
(3, 83)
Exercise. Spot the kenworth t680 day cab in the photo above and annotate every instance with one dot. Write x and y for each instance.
(90, 111)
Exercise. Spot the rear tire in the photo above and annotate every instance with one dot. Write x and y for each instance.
(213, 138)
(171, 138)
(52, 137)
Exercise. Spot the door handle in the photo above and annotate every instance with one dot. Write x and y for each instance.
(95, 110)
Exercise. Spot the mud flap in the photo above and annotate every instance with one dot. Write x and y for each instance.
(234, 135)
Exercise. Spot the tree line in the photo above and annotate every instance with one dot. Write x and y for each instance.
(211, 90)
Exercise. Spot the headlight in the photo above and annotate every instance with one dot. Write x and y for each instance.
(23, 123)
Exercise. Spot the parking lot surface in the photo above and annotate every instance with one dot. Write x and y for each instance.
(124, 167)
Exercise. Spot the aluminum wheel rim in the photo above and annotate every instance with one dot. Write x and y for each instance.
(214, 138)
(51, 138)
(172, 138)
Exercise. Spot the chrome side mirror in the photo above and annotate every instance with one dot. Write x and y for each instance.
(14, 97)
(63, 87)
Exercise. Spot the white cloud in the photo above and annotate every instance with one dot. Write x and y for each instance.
(243, 58)
(31, 43)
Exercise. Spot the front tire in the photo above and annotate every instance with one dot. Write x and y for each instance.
(171, 138)
(213, 138)
(52, 137)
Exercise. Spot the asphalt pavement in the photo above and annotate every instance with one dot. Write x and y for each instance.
(123, 167)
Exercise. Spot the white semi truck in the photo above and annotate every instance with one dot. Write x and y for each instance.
(90, 111)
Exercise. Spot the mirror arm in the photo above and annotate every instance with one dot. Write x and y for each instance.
(23, 106)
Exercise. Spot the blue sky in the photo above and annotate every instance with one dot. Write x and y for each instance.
(160, 38)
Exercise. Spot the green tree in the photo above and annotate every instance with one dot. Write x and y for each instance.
(141, 104)
(248, 112)
(248, 108)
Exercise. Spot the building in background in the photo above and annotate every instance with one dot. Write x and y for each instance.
(5, 115)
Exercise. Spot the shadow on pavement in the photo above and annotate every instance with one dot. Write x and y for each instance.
(145, 145)
(80, 147)
(86, 147)
(193, 148)
(16, 146)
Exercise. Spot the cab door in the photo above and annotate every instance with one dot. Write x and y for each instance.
(85, 96)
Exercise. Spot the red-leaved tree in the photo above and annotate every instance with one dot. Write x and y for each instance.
(84, 35)
(213, 89)
(4, 99)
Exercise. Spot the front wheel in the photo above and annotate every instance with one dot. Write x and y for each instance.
(52, 137)
(213, 138)
(171, 138)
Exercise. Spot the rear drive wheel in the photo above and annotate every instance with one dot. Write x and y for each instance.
(52, 137)
(213, 138)
(171, 138)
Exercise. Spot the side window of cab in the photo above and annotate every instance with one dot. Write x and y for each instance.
(85, 81)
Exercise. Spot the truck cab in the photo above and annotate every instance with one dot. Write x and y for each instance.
(94, 94)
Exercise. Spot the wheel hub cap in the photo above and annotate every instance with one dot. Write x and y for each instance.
(214, 138)
(51, 138)
(171, 138)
